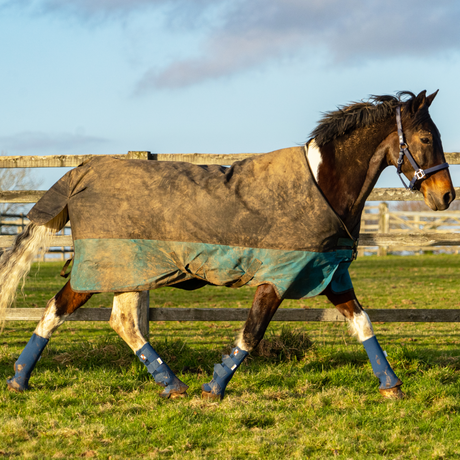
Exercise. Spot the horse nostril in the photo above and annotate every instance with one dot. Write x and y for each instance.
(448, 198)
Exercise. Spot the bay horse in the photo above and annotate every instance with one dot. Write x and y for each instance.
(286, 222)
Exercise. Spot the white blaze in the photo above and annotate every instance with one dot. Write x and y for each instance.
(314, 158)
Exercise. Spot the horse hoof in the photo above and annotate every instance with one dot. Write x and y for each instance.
(179, 390)
(14, 386)
(173, 395)
(392, 393)
(211, 396)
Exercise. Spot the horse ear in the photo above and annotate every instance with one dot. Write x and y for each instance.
(430, 98)
(419, 102)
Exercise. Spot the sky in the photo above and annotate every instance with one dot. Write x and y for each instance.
(220, 76)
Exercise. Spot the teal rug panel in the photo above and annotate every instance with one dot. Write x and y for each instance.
(117, 265)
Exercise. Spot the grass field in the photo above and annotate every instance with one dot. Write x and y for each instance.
(91, 398)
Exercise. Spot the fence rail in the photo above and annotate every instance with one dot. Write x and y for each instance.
(70, 161)
(425, 240)
(383, 240)
(241, 314)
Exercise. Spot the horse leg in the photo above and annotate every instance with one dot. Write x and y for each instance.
(65, 302)
(264, 306)
(361, 327)
(125, 322)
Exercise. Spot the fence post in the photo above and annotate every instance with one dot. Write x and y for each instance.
(384, 226)
(62, 232)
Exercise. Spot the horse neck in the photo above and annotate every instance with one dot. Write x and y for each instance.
(347, 168)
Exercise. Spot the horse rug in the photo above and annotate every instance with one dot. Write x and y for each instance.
(139, 225)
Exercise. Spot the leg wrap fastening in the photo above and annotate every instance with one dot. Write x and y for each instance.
(380, 364)
(223, 373)
(26, 363)
(161, 372)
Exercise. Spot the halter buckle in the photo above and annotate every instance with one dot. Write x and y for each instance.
(420, 174)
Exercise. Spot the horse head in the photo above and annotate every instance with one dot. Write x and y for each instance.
(416, 150)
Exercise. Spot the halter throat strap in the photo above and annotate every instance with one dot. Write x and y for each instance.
(420, 173)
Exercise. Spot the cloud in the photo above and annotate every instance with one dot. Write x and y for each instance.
(43, 143)
(83, 9)
(347, 32)
(90, 11)
(247, 34)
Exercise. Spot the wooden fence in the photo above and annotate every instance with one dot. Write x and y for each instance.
(380, 219)
(13, 224)
(425, 239)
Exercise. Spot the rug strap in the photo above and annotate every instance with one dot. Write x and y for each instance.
(64, 268)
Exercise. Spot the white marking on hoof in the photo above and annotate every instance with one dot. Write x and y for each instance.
(361, 326)
(314, 158)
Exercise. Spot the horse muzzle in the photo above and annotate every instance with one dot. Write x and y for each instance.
(438, 190)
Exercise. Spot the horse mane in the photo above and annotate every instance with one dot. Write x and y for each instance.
(360, 115)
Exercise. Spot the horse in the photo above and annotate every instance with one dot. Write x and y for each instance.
(286, 222)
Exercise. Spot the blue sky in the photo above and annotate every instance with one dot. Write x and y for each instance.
(221, 76)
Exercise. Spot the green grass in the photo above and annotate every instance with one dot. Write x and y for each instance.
(91, 398)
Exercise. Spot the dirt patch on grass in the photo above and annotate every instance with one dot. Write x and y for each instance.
(285, 345)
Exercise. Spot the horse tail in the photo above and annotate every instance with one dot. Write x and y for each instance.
(16, 261)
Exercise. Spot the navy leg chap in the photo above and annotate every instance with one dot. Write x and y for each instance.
(224, 372)
(380, 364)
(161, 372)
(26, 363)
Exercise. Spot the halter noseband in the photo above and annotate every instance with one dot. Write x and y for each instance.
(419, 174)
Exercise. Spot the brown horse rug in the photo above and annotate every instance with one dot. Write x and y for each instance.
(140, 224)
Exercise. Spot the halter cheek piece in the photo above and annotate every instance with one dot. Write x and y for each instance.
(420, 174)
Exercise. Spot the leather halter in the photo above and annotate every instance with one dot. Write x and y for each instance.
(420, 173)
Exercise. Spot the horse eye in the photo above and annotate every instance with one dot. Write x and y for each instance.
(425, 140)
